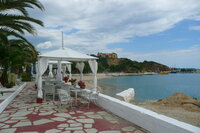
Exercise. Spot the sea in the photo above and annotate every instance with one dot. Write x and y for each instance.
(153, 87)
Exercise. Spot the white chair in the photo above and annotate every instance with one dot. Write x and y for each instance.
(58, 85)
(94, 96)
(49, 90)
(47, 83)
(90, 97)
(64, 97)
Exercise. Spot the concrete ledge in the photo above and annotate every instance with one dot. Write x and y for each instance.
(9, 99)
(149, 120)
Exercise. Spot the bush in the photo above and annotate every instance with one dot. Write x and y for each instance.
(25, 77)
(195, 98)
(9, 85)
(12, 78)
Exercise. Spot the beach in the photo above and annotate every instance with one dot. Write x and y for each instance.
(188, 113)
(88, 78)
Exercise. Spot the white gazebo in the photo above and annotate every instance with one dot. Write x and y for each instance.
(65, 64)
(64, 54)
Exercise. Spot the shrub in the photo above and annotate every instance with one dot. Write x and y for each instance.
(9, 85)
(12, 78)
(25, 77)
(195, 98)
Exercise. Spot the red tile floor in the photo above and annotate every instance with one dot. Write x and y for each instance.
(23, 114)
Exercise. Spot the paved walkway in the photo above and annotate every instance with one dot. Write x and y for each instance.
(25, 115)
(4, 93)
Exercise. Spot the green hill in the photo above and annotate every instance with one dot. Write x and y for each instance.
(107, 64)
(129, 66)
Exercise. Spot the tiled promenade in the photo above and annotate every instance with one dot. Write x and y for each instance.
(25, 115)
(5, 94)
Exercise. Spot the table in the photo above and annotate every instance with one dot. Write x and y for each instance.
(76, 90)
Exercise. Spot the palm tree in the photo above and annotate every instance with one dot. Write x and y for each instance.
(15, 54)
(17, 24)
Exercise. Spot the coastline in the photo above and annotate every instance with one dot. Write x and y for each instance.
(179, 112)
(88, 78)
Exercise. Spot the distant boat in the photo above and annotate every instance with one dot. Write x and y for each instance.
(149, 73)
(164, 73)
(173, 71)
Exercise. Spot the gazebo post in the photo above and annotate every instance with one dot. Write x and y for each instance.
(59, 74)
(69, 69)
(80, 67)
(50, 71)
(94, 66)
(42, 66)
(64, 70)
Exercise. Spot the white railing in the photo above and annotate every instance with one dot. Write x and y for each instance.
(149, 120)
(9, 99)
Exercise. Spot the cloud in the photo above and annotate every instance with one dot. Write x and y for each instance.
(91, 25)
(44, 45)
(102, 22)
(194, 27)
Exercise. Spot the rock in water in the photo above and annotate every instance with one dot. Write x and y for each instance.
(127, 95)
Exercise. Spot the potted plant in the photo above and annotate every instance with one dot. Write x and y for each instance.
(65, 79)
(73, 81)
(39, 100)
(81, 84)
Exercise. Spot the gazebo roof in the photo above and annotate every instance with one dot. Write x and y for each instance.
(56, 62)
(67, 55)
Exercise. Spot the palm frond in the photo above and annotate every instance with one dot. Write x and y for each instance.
(9, 17)
(19, 23)
(20, 5)
(36, 3)
(8, 32)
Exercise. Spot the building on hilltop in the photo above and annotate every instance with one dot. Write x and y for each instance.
(108, 55)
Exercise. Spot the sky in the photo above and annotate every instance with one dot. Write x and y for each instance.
(164, 31)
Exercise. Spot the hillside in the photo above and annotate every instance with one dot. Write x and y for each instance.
(129, 66)
(109, 64)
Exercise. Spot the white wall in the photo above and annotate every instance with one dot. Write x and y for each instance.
(149, 120)
(9, 99)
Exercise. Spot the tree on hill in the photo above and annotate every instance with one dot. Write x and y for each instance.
(123, 65)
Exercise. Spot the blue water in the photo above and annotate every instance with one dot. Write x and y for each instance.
(152, 87)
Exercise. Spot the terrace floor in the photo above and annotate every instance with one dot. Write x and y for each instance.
(4, 93)
(23, 114)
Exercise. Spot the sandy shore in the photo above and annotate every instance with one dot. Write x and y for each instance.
(88, 78)
(180, 112)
